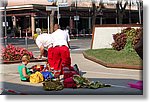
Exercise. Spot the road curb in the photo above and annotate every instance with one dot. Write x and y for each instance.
(109, 65)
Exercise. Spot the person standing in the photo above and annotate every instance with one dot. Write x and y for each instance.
(68, 39)
(61, 53)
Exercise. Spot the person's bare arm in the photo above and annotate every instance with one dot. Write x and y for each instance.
(24, 73)
(68, 40)
(68, 44)
(41, 52)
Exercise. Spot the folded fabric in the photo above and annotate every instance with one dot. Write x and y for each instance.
(81, 81)
(47, 75)
(69, 83)
(36, 77)
(85, 83)
(69, 80)
(70, 71)
(97, 84)
(69, 74)
(137, 85)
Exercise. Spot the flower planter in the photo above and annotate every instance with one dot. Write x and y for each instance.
(19, 61)
(13, 54)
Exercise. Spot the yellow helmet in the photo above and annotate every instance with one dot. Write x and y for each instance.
(35, 36)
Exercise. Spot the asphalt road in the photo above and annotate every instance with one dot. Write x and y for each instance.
(77, 45)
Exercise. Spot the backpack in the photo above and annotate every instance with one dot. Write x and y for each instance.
(71, 71)
(52, 85)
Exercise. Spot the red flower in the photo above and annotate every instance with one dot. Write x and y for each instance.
(12, 53)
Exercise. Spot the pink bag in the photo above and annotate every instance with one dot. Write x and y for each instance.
(137, 85)
(69, 83)
(69, 72)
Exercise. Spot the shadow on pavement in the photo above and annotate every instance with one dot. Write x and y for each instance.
(74, 47)
(19, 41)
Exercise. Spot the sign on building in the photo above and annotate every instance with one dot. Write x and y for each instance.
(4, 24)
(50, 8)
(63, 4)
(51, 0)
(76, 18)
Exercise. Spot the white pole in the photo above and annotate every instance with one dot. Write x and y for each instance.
(48, 23)
(89, 19)
(20, 33)
(5, 24)
(58, 15)
(139, 6)
(26, 40)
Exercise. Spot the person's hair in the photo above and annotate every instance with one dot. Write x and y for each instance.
(26, 58)
(56, 26)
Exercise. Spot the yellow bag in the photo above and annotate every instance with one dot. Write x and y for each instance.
(36, 78)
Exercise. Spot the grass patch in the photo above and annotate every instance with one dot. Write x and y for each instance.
(115, 57)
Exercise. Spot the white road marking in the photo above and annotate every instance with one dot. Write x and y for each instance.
(119, 86)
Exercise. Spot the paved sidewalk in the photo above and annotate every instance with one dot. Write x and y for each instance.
(118, 78)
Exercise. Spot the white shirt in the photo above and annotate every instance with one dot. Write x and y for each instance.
(67, 31)
(60, 37)
(44, 40)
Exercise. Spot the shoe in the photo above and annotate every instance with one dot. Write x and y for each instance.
(75, 67)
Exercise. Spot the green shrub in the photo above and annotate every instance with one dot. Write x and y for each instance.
(127, 39)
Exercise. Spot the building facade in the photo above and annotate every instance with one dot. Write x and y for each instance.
(25, 16)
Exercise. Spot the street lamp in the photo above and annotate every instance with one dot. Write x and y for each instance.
(76, 18)
(4, 3)
(60, 5)
(58, 15)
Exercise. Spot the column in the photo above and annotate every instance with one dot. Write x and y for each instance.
(89, 22)
(116, 17)
(71, 24)
(52, 21)
(14, 24)
(101, 20)
(32, 24)
(48, 23)
(14, 21)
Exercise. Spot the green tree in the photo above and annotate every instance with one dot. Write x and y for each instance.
(96, 10)
(120, 7)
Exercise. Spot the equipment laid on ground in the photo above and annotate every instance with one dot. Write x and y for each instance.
(52, 85)
(37, 77)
